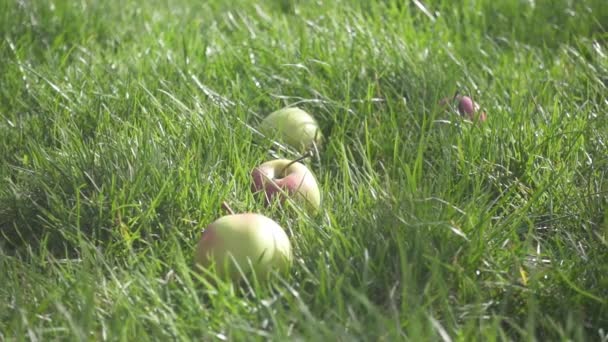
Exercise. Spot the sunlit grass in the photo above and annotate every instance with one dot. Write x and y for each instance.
(124, 126)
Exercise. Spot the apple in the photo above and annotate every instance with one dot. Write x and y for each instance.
(281, 178)
(292, 126)
(466, 106)
(248, 241)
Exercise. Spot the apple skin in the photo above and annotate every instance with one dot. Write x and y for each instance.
(292, 126)
(466, 107)
(244, 238)
(297, 181)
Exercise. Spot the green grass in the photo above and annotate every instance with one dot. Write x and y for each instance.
(124, 127)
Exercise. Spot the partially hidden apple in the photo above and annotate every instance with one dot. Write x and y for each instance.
(246, 242)
(466, 107)
(292, 126)
(281, 178)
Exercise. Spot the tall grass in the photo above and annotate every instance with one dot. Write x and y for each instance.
(124, 126)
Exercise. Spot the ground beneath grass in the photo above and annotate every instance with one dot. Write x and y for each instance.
(123, 127)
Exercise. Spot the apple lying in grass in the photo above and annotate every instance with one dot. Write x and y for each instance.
(243, 243)
(292, 126)
(466, 107)
(279, 178)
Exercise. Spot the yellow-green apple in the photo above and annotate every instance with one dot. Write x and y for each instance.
(281, 178)
(292, 126)
(466, 107)
(237, 244)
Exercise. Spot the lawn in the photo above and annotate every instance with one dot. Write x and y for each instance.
(125, 125)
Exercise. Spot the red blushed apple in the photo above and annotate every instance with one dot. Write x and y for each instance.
(249, 242)
(279, 178)
(466, 107)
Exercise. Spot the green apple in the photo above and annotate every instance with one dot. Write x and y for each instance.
(249, 242)
(292, 126)
(279, 178)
